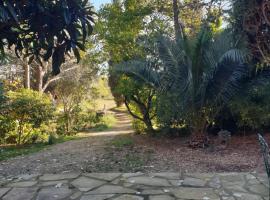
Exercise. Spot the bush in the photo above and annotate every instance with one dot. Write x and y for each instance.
(108, 120)
(138, 126)
(252, 109)
(26, 112)
(168, 111)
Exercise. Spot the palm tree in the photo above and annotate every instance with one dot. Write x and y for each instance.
(205, 72)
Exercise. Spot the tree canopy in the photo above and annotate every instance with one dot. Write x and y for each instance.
(45, 29)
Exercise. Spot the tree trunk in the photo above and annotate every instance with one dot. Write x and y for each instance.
(177, 25)
(39, 78)
(27, 76)
(20, 131)
(149, 124)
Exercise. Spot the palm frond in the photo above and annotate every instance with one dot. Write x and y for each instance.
(224, 80)
(176, 66)
(141, 70)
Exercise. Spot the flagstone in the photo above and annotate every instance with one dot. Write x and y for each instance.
(129, 197)
(194, 182)
(53, 193)
(96, 197)
(3, 191)
(85, 184)
(195, 193)
(103, 176)
(20, 193)
(112, 189)
(149, 181)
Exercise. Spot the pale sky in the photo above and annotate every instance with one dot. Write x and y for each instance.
(98, 3)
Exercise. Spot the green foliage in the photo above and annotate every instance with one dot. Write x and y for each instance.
(2, 97)
(119, 26)
(203, 73)
(167, 110)
(140, 101)
(45, 29)
(105, 122)
(51, 139)
(252, 108)
(138, 126)
(26, 112)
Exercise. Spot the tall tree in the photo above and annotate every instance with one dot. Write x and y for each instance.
(45, 29)
(119, 27)
(251, 19)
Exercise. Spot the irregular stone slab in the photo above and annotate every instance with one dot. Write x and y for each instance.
(149, 181)
(227, 198)
(128, 197)
(103, 176)
(28, 177)
(85, 184)
(194, 182)
(259, 189)
(96, 197)
(3, 191)
(55, 177)
(20, 194)
(112, 189)
(232, 177)
(246, 196)
(128, 175)
(195, 193)
(53, 193)
(161, 197)
(23, 184)
(116, 181)
(215, 183)
(157, 191)
(53, 183)
(168, 175)
(203, 176)
(234, 186)
(76, 195)
(176, 183)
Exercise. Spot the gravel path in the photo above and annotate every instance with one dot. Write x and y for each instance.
(70, 156)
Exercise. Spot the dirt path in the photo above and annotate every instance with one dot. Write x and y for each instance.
(76, 155)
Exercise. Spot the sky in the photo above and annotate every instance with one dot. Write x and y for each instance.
(98, 3)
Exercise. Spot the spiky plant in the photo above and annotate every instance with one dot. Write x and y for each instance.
(205, 72)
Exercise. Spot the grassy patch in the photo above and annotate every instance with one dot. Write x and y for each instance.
(101, 127)
(106, 123)
(122, 142)
(7, 152)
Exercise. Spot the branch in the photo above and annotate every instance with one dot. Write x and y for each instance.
(59, 76)
(130, 112)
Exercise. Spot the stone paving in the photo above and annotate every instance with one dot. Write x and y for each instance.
(135, 186)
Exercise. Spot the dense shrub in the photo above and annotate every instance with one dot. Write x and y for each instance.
(168, 115)
(26, 112)
(251, 109)
(138, 126)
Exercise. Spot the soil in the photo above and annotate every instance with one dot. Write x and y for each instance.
(97, 153)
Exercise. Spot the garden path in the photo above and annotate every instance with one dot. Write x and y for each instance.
(75, 155)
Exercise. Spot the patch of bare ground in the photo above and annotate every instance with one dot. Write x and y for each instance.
(164, 154)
